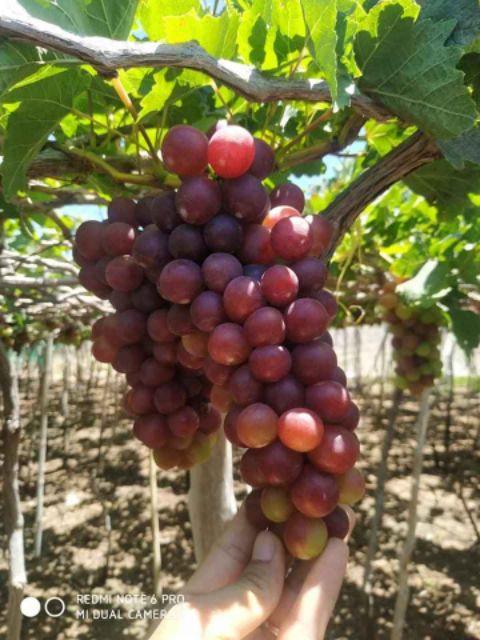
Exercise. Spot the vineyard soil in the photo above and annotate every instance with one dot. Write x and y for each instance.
(81, 556)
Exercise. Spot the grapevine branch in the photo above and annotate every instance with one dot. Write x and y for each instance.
(415, 152)
(108, 55)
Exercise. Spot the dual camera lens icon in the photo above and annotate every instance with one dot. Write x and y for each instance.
(54, 607)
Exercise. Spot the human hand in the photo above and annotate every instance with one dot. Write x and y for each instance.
(240, 590)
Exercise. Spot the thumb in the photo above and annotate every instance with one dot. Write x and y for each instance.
(235, 611)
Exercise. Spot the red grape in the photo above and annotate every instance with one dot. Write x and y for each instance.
(184, 150)
(306, 319)
(210, 418)
(169, 398)
(254, 271)
(250, 471)
(152, 430)
(278, 213)
(329, 399)
(231, 151)
(253, 510)
(265, 326)
(264, 160)
(276, 504)
(122, 210)
(88, 239)
(256, 245)
(288, 194)
(198, 199)
(145, 298)
(257, 425)
(183, 422)
(223, 233)
(305, 538)
(89, 279)
(207, 311)
(157, 327)
(242, 297)
(314, 493)
(291, 238)
(129, 359)
(351, 418)
(179, 320)
(246, 198)
(117, 238)
(337, 452)
(139, 400)
(322, 232)
(219, 269)
(103, 350)
(215, 372)
(180, 281)
(278, 464)
(186, 241)
(196, 343)
(311, 273)
(313, 362)
(270, 363)
(165, 352)
(351, 486)
(245, 389)
(143, 211)
(228, 345)
(188, 360)
(153, 373)
(337, 523)
(285, 394)
(279, 285)
(230, 426)
(124, 274)
(300, 429)
(164, 213)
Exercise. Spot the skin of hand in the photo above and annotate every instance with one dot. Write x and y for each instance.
(241, 585)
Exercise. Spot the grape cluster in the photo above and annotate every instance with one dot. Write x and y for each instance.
(415, 342)
(221, 309)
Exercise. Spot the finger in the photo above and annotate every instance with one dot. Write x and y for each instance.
(238, 609)
(311, 612)
(291, 589)
(227, 558)
(297, 576)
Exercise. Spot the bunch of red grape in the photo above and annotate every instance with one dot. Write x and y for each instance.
(416, 341)
(221, 308)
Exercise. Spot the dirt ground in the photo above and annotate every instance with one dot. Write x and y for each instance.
(97, 539)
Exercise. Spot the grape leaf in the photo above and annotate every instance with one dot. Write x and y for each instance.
(320, 21)
(464, 148)
(466, 13)
(470, 65)
(108, 18)
(444, 186)
(17, 61)
(42, 105)
(217, 35)
(466, 328)
(407, 67)
(152, 14)
(430, 284)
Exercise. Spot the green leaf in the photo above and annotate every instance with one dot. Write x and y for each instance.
(320, 22)
(170, 87)
(462, 149)
(42, 106)
(466, 328)
(17, 61)
(429, 285)
(217, 35)
(7, 210)
(466, 13)
(470, 65)
(408, 68)
(108, 18)
(442, 185)
(152, 14)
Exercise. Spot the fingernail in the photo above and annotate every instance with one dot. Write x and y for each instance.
(264, 547)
